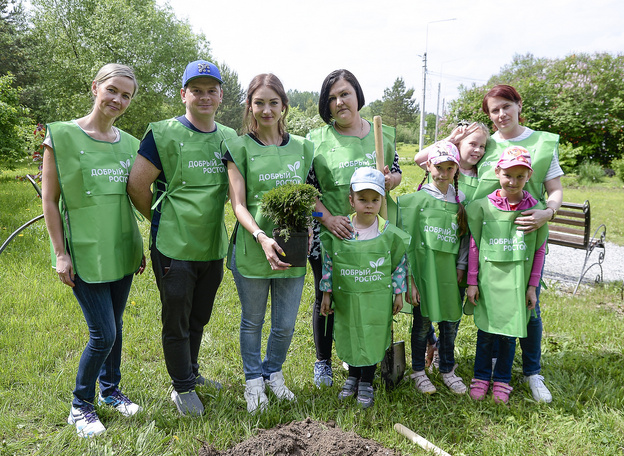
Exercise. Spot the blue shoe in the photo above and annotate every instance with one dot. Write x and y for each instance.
(323, 374)
(120, 402)
(86, 420)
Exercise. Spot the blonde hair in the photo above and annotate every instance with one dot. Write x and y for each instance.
(112, 70)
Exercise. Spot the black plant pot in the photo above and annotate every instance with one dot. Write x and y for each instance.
(296, 248)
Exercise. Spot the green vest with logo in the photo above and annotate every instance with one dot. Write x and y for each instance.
(337, 157)
(99, 223)
(192, 206)
(468, 186)
(264, 168)
(362, 293)
(432, 223)
(505, 263)
(541, 145)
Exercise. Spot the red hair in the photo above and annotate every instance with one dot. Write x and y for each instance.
(503, 91)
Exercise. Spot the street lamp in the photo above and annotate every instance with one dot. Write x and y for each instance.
(422, 106)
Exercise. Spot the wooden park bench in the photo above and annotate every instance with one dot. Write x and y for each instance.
(27, 224)
(571, 228)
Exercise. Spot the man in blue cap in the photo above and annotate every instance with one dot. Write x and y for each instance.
(188, 237)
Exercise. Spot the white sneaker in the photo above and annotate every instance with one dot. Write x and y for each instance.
(423, 384)
(276, 383)
(454, 382)
(120, 402)
(86, 420)
(539, 390)
(255, 396)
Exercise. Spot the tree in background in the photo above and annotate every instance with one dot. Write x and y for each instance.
(230, 112)
(14, 123)
(77, 37)
(398, 105)
(580, 97)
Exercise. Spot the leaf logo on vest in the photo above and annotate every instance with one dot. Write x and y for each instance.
(114, 175)
(214, 166)
(510, 244)
(289, 177)
(443, 234)
(365, 275)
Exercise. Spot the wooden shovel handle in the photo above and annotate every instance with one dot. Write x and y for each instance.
(379, 158)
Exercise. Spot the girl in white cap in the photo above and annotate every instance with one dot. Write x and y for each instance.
(435, 218)
(364, 276)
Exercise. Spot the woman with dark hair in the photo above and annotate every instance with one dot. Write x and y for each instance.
(95, 239)
(503, 105)
(256, 163)
(345, 144)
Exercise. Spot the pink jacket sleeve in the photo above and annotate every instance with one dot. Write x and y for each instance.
(538, 264)
(473, 263)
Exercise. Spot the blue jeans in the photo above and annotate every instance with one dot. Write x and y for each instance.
(253, 295)
(483, 357)
(421, 328)
(103, 305)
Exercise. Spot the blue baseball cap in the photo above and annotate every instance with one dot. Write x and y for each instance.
(368, 178)
(198, 69)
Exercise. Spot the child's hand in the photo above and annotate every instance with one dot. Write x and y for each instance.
(531, 297)
(473, 294)
(412, 296)
(398, 303)
(460, 132)
(326, 304)
(460, 275)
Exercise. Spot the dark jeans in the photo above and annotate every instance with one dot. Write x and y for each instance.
(421, 331)
(187, 293)
(363, 374)
(102, 305)
(322, 327)
(483, 357)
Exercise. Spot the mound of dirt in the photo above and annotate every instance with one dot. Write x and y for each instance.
(303, 438)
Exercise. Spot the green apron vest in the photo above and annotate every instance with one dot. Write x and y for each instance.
(99, 223)
(362, 293)
(337, 157)
(264, 168)
(505, 264)
(468, 186)
(542, 147)
(433, 253)
(192, 207)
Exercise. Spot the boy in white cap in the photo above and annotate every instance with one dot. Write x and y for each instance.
(364, 277)
(504, 269)
(188, 238)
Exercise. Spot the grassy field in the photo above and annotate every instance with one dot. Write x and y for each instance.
(42, 334)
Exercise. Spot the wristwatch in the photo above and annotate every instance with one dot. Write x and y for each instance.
(554, 213)
(257, 233)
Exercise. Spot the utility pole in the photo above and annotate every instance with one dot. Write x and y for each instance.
(437, 114)
(422, 106)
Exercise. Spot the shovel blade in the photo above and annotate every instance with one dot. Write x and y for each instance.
(393, 364)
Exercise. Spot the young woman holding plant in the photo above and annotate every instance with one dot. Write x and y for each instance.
(96, 243)
(257, 162)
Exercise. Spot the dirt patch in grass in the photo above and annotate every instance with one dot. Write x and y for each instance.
(300, 438)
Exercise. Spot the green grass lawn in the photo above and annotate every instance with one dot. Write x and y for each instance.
(42, 334)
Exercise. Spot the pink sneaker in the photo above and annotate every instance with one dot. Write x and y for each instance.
(479, 389)
(501, 391)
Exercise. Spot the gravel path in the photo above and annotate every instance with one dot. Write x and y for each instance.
(564, 264)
